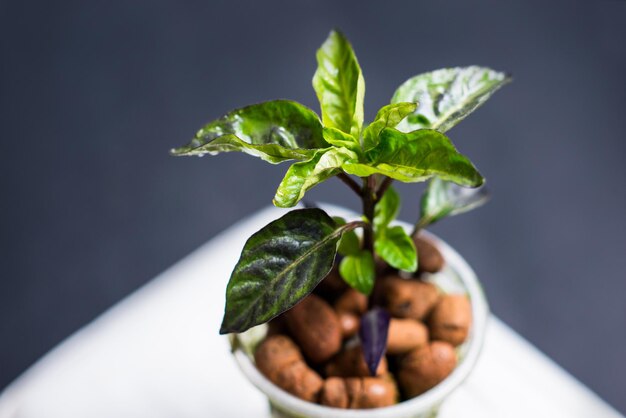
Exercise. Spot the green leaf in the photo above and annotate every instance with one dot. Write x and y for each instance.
(349, 244)
(447, 96)
(387, 208)
(416, 156)
(443, 198)
(359, 271)
(388, 117)
(274, 131)
(279, 265)
(339, 85)
(304, 175)
(395, 247)
(340, 139)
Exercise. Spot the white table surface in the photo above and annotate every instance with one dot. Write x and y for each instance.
(157, 353)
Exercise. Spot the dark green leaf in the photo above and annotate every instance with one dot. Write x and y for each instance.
(388, 117)
(443, 198)
(279, 265)
(349, 244)
(447, 96)
(304, 175)
(395, 247)
(387, 208)
(358, 271)
(339, 85)
(273, 131)
(416, 156)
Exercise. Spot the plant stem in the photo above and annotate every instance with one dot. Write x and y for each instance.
(367, 196)
(353, 225)
(350, 182)
(422, 223)
(383, 188)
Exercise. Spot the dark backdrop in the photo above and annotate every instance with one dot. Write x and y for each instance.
(95, 93)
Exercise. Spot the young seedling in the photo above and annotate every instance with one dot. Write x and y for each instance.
(284, 261)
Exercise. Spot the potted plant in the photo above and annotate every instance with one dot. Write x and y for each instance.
(387, 320)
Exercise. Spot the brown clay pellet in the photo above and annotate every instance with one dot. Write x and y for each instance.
(300, 380)
(405, 335)
(351, 363)
(451, 319)
(370, 392)
(352, 301)
(409, 298)
(274, 353)
(425, 367)
(314, 325)
(280, 360)
(349, 324)
(429, 258)
(334, 393)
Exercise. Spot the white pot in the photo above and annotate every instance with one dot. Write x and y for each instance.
(456, 277)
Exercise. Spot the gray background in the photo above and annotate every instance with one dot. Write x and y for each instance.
(94, 94)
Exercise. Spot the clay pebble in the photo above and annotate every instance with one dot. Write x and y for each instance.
(351, 301)
(349, 324)
(351, 363)
(409, 298)
(280, 360)
(425, 367)
(315, 327)
(451, 319)
(430, 259)
(405, 335)
(358, 392)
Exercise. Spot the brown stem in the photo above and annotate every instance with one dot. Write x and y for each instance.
(369, 184)
(350, 182)
(383, 188)
(353, 225)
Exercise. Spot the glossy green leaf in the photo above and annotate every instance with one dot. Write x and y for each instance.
(447, 96)
(279, 265)
(416, 156)
(443, 198)
(395, 247)
(349, 244)
(339, 85)
(359, 271)
(274, 131)
(388, 117)
(304, 175)
(387, 208)
(340, 139)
